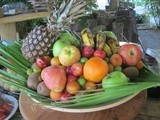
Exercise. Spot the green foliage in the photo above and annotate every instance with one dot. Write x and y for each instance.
(154, 10)
(138, 2)
(140, 18)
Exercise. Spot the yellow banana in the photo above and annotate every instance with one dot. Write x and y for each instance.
(114, 45)
(100, 40)
(87, 37)
(107, 49)
(115, 49)
(111, 42)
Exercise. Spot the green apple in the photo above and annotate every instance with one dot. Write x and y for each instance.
(115, 78)
(58, 46)
(69, 55)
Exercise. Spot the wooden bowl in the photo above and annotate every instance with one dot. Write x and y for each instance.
(95, 108)
(126, 111)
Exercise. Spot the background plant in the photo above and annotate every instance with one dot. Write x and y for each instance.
(153, 7)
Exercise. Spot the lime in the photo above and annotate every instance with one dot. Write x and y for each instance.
(81, 81)
(29, 71)
(83, 60)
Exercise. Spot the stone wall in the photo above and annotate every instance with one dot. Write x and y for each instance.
(121, 22)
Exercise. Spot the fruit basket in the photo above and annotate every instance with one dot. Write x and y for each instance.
(68, 71)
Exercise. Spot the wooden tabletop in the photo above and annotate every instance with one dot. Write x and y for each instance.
(127, 111)
(23, 17)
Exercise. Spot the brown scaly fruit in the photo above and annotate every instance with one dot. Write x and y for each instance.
(40, 40)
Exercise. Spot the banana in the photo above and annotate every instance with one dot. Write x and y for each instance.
(100, 40)
(114, 45)
(110, 34)
(87, 38)
(115, 49)
(107, 49)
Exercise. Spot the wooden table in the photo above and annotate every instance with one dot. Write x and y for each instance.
(8, 24)
(126, 111)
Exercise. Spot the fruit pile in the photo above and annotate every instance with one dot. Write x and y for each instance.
(100, 62)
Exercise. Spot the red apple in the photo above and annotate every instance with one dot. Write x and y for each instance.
(54, 78)
(131, 54)
(87, 51)
(65, 96)
(42, 62)
(100, 53)
(77, 69)
(69, 55)
(71, 78)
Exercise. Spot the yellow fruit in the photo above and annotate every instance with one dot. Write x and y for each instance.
(55, 61)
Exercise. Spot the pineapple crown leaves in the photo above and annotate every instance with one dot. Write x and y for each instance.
(62, 17)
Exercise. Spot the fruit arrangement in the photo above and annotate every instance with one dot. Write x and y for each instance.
(70, 68)
(62, 68)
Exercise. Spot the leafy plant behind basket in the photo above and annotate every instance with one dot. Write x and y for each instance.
(147, 79)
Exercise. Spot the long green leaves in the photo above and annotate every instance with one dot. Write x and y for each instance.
(12, 53)
(23, 88)
(13, 77)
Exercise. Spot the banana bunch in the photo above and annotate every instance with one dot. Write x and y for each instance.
(100, 40)
(87, 38)
(105, 40)
(112, 45)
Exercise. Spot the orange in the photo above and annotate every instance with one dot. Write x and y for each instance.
(116, 60)
(139, 65)
(72, 87)
(55, 61)
(55, 95)
(95, 69)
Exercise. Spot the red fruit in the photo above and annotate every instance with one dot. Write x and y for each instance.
(87, 51)
(68, 70)
(54, 78)
(2, 116)
(71, 78)
(42, 62)
(7, 106)
(3, 110)
(100, 53)
(131, 54)
(65, 96)
(77, 69)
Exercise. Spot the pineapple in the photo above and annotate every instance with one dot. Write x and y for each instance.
(40, 40)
